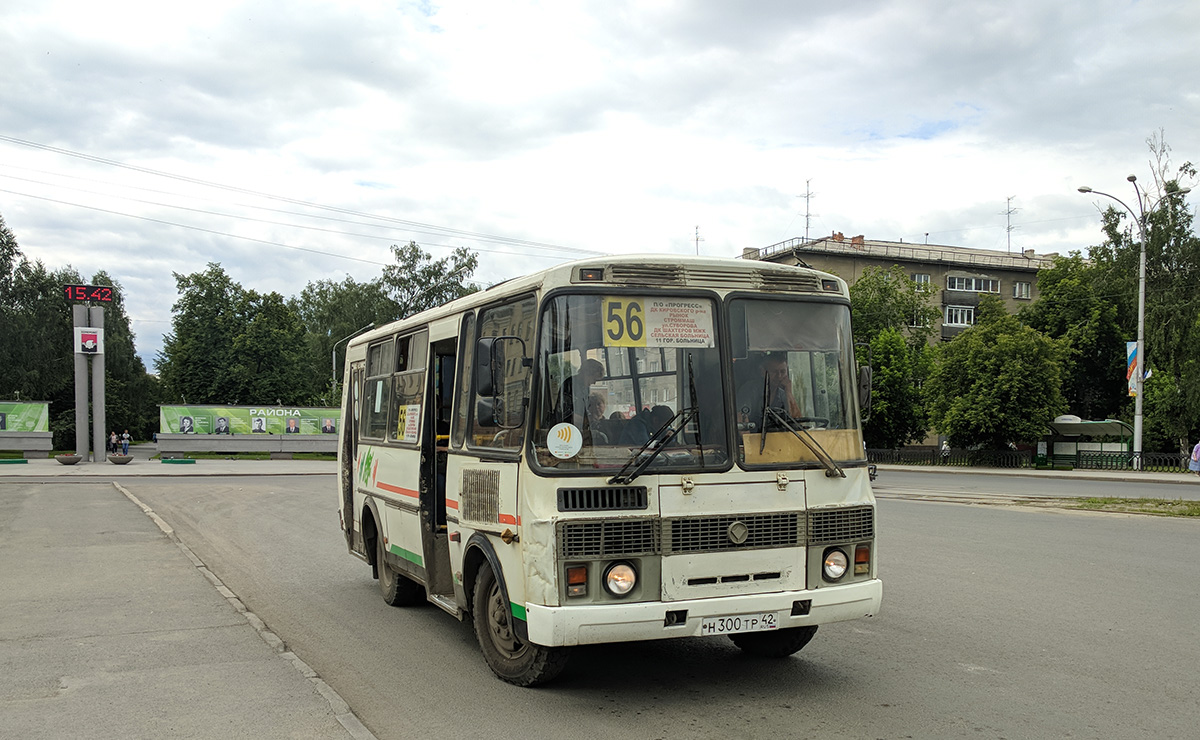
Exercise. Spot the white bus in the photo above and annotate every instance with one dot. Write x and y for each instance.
(622, 448)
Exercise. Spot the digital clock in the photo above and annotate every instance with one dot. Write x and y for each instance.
(97, 293)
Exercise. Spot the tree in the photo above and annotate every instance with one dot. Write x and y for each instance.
(889, 299)
(268, 351)
(1069, 308)
(1172, 274)
(893, 314)
(197, 355)
(331, 311)
(995, 383)
(897, 415)
(417, 281)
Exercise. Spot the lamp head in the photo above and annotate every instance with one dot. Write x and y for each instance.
(1085, 189)
(1132, 178)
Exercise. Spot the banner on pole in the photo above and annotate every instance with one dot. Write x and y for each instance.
(1131, 363)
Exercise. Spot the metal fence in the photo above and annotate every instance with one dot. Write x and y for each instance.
(1162, 462)
(959, 458)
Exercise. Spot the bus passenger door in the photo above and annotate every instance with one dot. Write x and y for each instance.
(436, 436)
(350, 424)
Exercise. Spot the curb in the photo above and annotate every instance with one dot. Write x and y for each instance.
(341, 710)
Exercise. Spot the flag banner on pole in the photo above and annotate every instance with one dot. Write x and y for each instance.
(1131, 363)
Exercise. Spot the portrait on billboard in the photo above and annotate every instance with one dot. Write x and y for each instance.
(3, 421)
(293, 426)
(222, 425)
(327, 426)
(186, 425)
(258, 424)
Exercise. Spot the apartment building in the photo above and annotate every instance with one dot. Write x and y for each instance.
(960, 276)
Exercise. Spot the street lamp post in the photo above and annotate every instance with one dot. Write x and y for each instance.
(333, 353)
(1139, 374)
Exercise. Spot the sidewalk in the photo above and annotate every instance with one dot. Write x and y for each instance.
(109, 628)
(141, 465)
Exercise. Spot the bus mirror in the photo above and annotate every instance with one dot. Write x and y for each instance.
(864, 387)
(489, 366)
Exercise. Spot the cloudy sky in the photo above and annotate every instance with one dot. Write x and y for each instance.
(296, 141)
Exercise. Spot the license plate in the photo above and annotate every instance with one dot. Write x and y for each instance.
(739, 623)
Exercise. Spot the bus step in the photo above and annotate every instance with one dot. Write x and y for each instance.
(446, 603)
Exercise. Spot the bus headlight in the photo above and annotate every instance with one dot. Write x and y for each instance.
(620, 578)
(835, 564)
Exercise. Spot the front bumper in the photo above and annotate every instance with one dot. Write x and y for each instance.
(555, 626)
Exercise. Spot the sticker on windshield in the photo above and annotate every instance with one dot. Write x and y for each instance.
(565, 441)
(657, 322)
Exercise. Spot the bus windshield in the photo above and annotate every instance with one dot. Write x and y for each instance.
(793, 373)
(629, 381)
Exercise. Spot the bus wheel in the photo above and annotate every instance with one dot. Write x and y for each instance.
(776, 643)
(397, 589)
(511, 659)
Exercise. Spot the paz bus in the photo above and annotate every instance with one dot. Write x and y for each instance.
(615, 449)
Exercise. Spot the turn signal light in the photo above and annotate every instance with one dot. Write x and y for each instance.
(577, 580)
(862, 560)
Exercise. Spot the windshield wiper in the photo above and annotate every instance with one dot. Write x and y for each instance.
(831, 468)
(654, 446)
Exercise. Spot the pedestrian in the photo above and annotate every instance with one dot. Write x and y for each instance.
(125, 442)
(112, 443)
(1194, 463)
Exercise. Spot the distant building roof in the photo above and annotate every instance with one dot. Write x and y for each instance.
(928, 253)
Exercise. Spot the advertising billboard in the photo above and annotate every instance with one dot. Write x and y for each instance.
(248, 420)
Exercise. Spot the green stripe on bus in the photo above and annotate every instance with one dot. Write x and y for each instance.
(411, 557)
(518, 611)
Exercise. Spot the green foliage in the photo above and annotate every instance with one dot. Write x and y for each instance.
(418, 282)
(889, 299)
(995, 383)
(1172, 299)
(897, 415)
(37, 354)
(1070, 309)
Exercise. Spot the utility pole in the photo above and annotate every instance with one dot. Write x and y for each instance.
(1008, 220)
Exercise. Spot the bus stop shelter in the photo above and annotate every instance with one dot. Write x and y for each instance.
(1072, 442)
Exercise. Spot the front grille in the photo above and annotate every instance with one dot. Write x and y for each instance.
(713, 534)
(611, 498)
(841, 525)
(613, 538)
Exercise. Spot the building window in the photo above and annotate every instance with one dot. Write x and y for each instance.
(921, 278)
(959, 316)
(973, 285)
(1020, 290)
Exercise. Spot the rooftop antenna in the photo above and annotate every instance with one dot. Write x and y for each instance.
(1008, 220)
(808, 196)
(698, 240)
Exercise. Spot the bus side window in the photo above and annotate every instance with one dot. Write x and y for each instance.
(515, 323)
(462, 399)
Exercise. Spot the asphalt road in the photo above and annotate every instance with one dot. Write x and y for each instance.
(998, 622)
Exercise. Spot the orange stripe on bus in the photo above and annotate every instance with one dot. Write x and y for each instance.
(508, 519)
(398, 489)
(451, 504)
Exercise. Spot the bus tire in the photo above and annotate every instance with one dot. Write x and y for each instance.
(398, 590)
(774, 644)
(510, 658)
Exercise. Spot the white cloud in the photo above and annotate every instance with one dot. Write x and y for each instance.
(615, 126)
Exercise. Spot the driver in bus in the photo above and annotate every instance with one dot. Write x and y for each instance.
(772, 373)
(575, 391)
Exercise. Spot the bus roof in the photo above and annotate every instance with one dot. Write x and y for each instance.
(645, 270)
